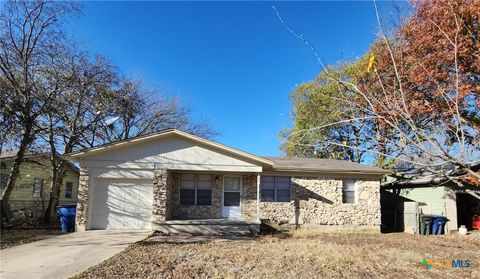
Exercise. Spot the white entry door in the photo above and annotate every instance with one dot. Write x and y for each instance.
(232, 197)
(119, 205)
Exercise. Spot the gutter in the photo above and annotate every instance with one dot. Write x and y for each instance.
(332, 171)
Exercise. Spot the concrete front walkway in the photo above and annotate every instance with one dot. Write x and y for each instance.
(66, 255)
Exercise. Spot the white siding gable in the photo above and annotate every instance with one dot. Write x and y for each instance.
(171, 152)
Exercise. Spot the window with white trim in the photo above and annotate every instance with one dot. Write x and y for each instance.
(37, 187)
(275, 188)
(196, 189)
(349, 191)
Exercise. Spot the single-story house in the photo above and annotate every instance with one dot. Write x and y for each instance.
(30, 194)
(431, 194)
(144, 182)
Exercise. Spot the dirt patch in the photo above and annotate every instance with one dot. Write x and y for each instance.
(14, 237)
(302, 255)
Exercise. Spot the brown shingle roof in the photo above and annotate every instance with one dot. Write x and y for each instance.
(13, 153)
(322, 165)
(10, 155)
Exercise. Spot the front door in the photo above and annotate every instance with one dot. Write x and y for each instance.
(232, 197)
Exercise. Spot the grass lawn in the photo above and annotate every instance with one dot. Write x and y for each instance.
(14, 237)
(303, 254)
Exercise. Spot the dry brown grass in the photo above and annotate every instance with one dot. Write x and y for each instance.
(303, 254)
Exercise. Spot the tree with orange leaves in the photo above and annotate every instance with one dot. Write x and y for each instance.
(442, 42)
(420, 88)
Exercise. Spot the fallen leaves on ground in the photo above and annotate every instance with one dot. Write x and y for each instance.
(297, 255)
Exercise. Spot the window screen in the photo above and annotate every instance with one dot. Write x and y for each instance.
(37, 187)
(187, 196)
(231, 191)
(3, 180)
(68, 190)
(232, 184)
(349, 191)
(231, 198)
(204, 197)
(204, 189)
(275, 188)
(196, 189)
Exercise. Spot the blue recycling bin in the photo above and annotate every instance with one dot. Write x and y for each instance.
(438, 222)
(67, 214)
(425, 224)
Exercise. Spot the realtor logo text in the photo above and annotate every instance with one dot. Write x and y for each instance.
(460, 263)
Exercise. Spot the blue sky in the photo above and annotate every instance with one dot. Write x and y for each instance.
(232, 63)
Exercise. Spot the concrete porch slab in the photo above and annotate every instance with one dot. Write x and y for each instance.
(208, 227)
(192, 239)
(223, 221)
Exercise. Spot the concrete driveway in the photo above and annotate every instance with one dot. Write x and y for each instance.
(66, 255)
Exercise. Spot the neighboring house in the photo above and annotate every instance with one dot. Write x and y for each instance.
(432, 195)
(31, 191)
(143, 182)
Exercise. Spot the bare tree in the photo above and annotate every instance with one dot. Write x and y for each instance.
(30, 36)
(84, 101)
(8, 126)
(140, 111)
(95, 107)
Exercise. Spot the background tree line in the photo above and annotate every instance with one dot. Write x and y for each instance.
(57, 97)
(411, 102)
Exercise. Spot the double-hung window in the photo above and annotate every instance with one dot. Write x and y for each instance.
(349, 191)
(275, 188)
(3, 180)
(37, 187)
(196, 189)
(204, 189)
(68, 190)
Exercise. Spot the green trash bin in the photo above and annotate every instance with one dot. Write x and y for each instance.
(425, 224)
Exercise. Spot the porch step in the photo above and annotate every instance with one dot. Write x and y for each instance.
(208, 227)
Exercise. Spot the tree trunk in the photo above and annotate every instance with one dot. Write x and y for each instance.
(50, 211)
(14, 171)
(56, 186)
(58, 166)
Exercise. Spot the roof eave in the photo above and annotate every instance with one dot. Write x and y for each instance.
(77, 155)
(339, 171)
(112, 145)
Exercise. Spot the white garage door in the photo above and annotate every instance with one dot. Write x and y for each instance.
(121, 204)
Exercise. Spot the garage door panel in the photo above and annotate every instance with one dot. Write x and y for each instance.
(120, 204)
(113, 221)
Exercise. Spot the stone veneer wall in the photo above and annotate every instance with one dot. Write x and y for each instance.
(162, 195)
(82, 202)
(213, 211)
(249, 206)
(319, 201)
(314, 200)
